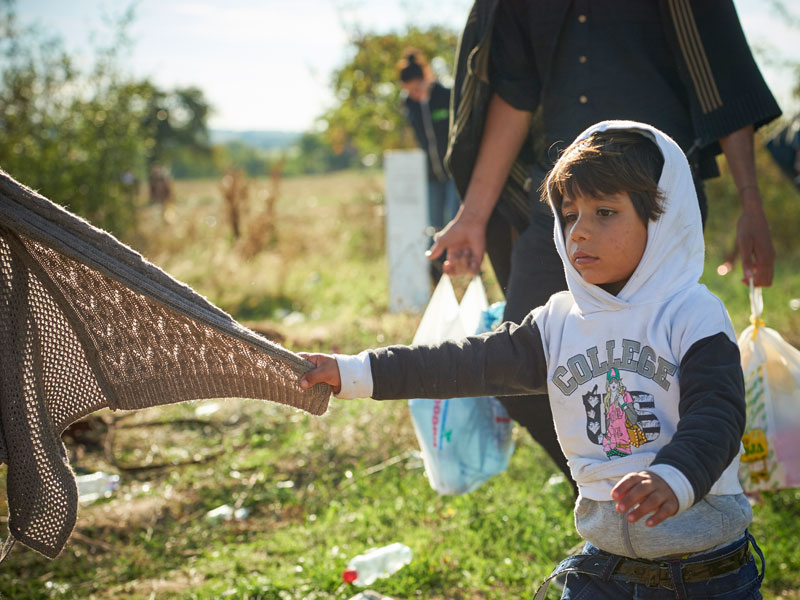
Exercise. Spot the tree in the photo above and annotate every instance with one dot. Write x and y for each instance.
(80, 136)
(175, 123)
(313, 154)
(369, 117)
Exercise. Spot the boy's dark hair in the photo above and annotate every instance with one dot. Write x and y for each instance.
(608, 162)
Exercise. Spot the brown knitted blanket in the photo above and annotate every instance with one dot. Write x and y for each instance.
(87, 323)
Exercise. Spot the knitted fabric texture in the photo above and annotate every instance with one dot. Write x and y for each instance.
(87, 323)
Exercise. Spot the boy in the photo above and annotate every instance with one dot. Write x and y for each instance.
(642, 370)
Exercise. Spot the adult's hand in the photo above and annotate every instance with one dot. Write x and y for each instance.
(755, 244)
(752, 230)
(464, 239)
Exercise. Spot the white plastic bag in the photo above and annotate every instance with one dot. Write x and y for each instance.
(464, 441)
(772, 389)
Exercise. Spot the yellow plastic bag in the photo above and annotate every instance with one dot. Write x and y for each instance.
(772, 390)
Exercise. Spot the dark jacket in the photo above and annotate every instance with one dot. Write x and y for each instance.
(722, 86)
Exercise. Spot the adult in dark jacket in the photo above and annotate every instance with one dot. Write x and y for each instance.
(428, 112)
(532, 74)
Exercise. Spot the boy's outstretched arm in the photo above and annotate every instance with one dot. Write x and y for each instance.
(326, 371)
(507, 361)
(651, 493)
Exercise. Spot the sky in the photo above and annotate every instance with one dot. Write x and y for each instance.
(266, 64)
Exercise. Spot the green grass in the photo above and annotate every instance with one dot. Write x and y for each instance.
(493, 543)
(320, 490)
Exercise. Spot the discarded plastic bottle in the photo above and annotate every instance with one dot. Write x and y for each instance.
(226, 512)
(373, 564)
(94, 486)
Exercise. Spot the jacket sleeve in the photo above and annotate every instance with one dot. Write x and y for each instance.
(712, 413)
(512, 67)
(506, 362)
(725, 88)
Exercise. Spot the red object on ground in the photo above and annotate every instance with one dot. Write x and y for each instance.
(349, 575)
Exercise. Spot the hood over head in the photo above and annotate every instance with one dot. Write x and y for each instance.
(674, 256)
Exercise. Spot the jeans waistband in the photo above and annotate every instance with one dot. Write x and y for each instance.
(662, 573)
(668, 573)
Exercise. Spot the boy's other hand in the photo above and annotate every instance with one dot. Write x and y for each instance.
(326, 371)
(649, 494)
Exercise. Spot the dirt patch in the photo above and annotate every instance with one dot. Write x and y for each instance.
(120, 515)
(173, 582)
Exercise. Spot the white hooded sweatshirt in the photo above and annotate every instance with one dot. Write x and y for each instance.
(643, 333)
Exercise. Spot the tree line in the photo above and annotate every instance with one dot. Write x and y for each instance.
(88, 136)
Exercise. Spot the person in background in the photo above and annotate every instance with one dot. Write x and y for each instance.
(161, 193)
(428, 112)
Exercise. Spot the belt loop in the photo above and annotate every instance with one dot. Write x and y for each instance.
(571, 563)
(752, 541)
(676, 577)
(611, 565)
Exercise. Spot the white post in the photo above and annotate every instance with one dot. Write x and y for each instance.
(406, 224)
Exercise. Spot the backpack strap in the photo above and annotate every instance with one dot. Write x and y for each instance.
(469, 104)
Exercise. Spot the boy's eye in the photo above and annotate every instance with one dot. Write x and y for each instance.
(569, 217)
(605, 212)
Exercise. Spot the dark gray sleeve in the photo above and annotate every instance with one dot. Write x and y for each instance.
(506, 362)
(712, 413)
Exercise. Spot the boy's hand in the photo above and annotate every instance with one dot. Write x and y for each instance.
(326, 371)
(650, 492)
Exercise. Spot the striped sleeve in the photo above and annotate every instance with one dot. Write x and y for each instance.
(725, 87)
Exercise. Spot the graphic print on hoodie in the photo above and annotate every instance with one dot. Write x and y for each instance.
(616, 418)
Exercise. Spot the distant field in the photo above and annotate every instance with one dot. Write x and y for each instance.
(320, 490)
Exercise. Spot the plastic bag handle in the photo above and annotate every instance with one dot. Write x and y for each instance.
(756, 308)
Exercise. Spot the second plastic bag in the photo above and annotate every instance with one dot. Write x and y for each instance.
(464, 441)
(772, 389)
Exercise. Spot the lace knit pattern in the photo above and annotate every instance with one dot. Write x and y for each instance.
(87, 323)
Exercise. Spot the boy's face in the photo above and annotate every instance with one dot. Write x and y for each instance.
(605, 238)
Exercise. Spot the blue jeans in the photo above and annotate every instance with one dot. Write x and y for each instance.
(743, 584)
(443, 203)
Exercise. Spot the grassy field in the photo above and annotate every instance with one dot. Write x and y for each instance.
(321, 489)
